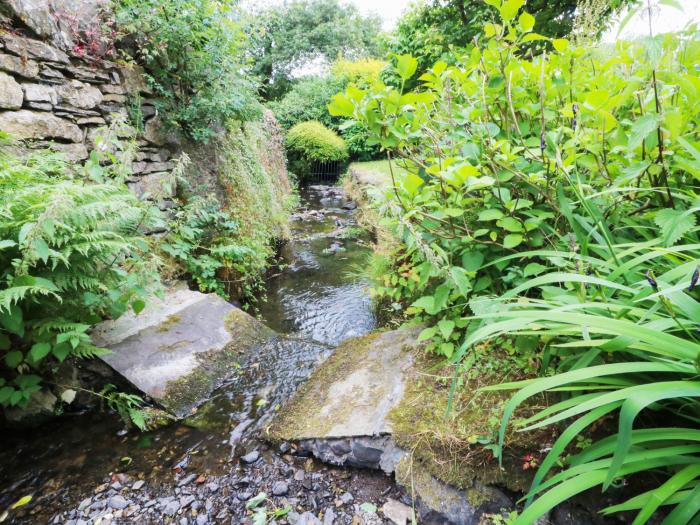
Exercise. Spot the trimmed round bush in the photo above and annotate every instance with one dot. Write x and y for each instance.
(311, 142)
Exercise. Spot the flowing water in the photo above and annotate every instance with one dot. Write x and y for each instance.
(316, 298)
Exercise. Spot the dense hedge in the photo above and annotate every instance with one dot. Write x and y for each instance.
(311, 142)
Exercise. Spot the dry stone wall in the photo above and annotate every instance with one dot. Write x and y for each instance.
(51, 97)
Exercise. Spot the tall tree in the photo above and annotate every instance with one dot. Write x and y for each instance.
(289, 37)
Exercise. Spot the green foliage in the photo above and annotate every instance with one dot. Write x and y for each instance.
(287, 37)
(192, 51)
(71, 254)
(432, 30)
(203, 241)
(311, 142)
(556, 196)
(307, 100)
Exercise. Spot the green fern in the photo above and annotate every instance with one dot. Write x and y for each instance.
(72, 252)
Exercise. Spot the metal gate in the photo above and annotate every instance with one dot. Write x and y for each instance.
(325, 171)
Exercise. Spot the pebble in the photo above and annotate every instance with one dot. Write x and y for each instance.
(202, 519)
(118, 502)
(138, 485)
(251, 457)
(347, 498)
(280, 488)
(172, 508)
(187, 480)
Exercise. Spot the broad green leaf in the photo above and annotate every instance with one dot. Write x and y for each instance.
(560, 44)
(513, 240)
(12, 320)
(406, 66)
(674, 224)
(490, 215)
(526, 22)
(446, 327)
(462, 281)
(14, 358)
(39, 351)
(641, 129)
(341, 106)
(510, 8)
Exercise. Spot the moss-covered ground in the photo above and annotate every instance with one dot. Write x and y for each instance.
(453, 442)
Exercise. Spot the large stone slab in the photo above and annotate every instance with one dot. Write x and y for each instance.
(25, 124)
(352, 393)
(181, 348)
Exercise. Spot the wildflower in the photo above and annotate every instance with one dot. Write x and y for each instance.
(652, 280)
(694, 279)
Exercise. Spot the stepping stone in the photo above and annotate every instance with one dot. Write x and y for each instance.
(181, 348)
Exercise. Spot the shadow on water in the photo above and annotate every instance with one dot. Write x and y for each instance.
(316, 299)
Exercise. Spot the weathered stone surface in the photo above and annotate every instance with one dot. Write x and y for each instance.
(115, 98)
(89, 74)
(134, 79)
(397, 512)
(352, 393)
(40, 406)
(153, 132)
(440, 504)
(161, 185)
(80, 95)
(71, 152)
(31, 48)
(51, 75)
(99, 121)
(38, 16)
(24, 68)
(113, 89)
(40, 93)
(11, 95)
(25, 124)
(39, 106)
(150, 167)
(181, 348)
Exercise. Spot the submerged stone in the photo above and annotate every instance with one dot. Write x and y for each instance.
(181, 348)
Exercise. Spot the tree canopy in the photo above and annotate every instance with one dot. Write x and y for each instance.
(429, 29)
(289, 37)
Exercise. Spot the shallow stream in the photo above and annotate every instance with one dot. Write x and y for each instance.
(318, 300)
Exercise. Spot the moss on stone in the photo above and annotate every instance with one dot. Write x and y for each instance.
(215, 366)
(301, 413)
(166, 325)
(450, 445)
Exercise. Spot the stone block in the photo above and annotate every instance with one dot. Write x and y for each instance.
(23, 68)
(11, 95)
(25, 124)
(80, 95)
(31, 48)
(156, 186)
(40, 93)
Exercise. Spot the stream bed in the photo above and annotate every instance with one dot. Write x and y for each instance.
(86, 469)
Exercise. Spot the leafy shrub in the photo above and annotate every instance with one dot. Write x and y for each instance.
(311, 142)
(202, 240)
(307, 100)
(362, 72)
(192, 53)
(70, 255)
(556, 196)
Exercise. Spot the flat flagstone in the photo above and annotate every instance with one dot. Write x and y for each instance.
(180, 348)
